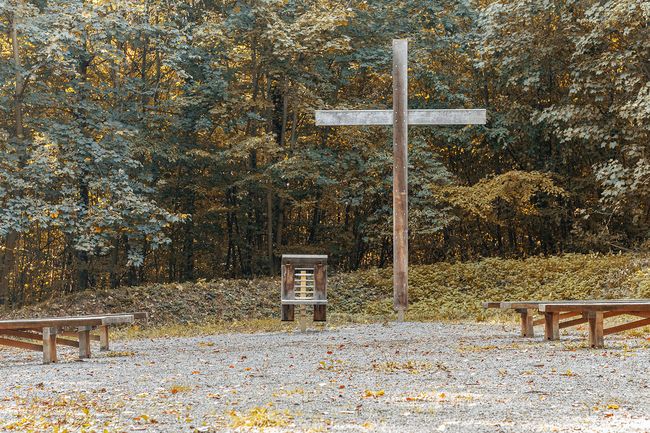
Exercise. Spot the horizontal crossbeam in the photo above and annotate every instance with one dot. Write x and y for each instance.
(20, 344)
(385, 117)
(303, 302)
(37, 336)
(627, 326)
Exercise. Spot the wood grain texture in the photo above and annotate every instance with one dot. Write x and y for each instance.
(574, 322)
(75, 334)
(103, 338)
(552, 326)
(49, 345)
(304, 302)
(57, 322)
(303, 260)
(627, 326)
(506, 305)
(288, 293)
(596, 334)
(84, 341)
(21, 334)
(640, 306)
(400, 176)
(320, 292)
(20, 344)
(437, 117)
(117, 319)
(527, 326)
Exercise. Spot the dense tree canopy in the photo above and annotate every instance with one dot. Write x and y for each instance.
(163, 140)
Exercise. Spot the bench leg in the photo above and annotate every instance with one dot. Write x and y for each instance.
(288, 313)
(527, 326)
(320, 313)
(49, 345)
(303, 318)
(552, 326)
(103, 337)
(84, 341)
(596, 334)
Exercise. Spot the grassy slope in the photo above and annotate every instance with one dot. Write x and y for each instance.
(439, 291)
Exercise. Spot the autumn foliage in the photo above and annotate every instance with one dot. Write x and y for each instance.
(169, 141)
(441, 291)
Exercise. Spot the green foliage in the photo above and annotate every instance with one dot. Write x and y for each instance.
(443, 291)
(578, 71)
(171, 141)
(446, 291)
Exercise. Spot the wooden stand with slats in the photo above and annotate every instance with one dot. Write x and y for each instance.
(304, 283)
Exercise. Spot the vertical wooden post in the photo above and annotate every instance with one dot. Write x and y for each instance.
(103, 337)
(400, 177)
(527, 328)
(288, 311)
(552, 326)
(49, 345)
(84, 341)
(596, 335)
(320, 292)
(302, 317)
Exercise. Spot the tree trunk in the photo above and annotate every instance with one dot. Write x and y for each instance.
(114, 273)
(19, 89)
(285, 106)
(187, 270)
(145, 53)
(9, 256)
(82, 256)
(269, 229)
(294, 129)
(315, 220)
(171, 262)
(8, 261)
(280, 224)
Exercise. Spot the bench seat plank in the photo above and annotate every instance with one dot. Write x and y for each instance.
(511, 305)
(66, 321)
(636, 306)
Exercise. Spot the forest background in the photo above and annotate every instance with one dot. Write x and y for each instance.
(161, 141)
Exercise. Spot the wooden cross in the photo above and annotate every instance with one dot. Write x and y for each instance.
(400, 117)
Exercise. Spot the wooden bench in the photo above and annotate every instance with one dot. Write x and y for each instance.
(528, 309)
(54, 330)
(577, 312)
(594, 313)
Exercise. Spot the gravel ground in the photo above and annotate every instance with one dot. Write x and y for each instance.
(410, 377)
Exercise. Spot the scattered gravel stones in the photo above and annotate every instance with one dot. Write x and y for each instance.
(410, 377)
